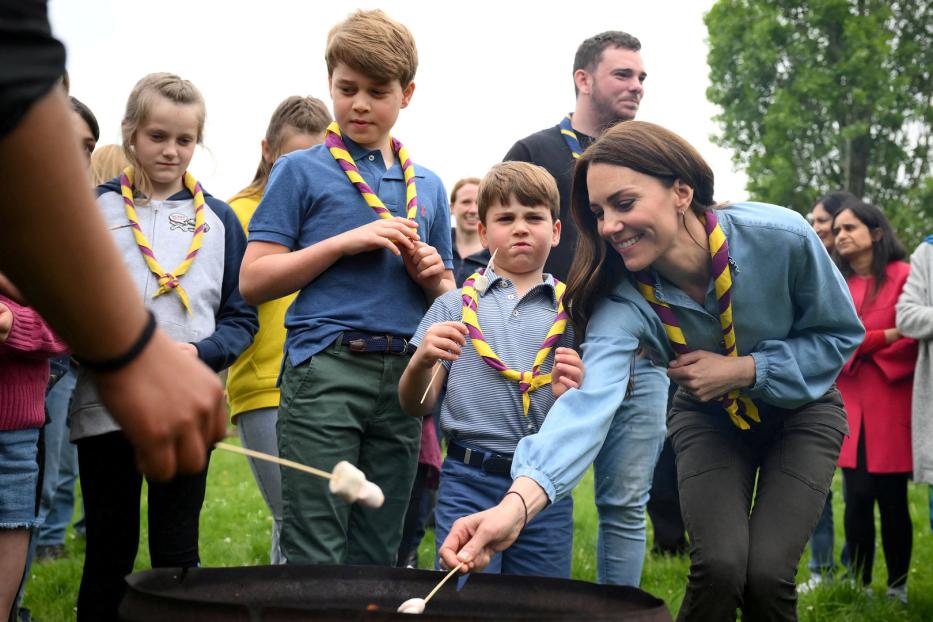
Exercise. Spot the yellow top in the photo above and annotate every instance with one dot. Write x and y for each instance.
(251, 379)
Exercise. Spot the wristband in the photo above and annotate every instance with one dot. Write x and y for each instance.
(524, 505)
(119, 362)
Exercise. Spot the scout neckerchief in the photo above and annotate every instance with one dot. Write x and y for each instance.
(570, 137)
(736, 405)
(333, 140)
(527, 381)
(167, 280)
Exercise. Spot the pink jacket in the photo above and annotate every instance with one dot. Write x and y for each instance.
(24, 368)
(877, 382)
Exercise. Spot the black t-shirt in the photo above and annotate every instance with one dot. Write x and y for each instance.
(464, 267)
(31, 59)
(548, 149)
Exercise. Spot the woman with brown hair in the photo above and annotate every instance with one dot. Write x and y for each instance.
(876, 386)
(754, 322)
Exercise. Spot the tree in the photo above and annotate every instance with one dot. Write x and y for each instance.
(821, 95)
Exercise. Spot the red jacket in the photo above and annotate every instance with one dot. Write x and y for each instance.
(877, 382)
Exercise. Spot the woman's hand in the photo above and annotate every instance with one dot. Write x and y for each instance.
(707, 375)
(474, 539)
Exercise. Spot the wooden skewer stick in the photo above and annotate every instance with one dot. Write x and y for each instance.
(437, 368)
(270, 458)
(442, 582)
(437, 365)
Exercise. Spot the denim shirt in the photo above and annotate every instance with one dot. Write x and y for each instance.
(792, 312)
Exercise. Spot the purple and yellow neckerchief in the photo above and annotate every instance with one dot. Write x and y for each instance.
(333, 140)
(570, 137)
(527, 381)
(168, 281)
(738, 407)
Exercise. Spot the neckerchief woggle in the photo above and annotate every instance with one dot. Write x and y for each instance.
(738, 407)
(333, 140)
(527, 381)
(168, 281)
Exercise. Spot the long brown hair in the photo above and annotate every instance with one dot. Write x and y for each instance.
(645, 148)
(302, 114)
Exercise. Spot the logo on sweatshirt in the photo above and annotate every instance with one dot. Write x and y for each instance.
(184, 223)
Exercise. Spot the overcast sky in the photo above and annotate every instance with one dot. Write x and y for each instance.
(490, 72)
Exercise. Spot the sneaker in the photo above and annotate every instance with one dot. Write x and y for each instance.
(50, 552)
(898, 593)
(815, 581)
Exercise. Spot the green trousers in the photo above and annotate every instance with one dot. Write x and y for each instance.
(341, 405)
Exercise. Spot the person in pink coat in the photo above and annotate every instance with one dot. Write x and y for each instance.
(876, 386)
(26, 344)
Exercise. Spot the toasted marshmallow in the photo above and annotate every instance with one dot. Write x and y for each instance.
(371, 495)
(412, 605)
(347, 482)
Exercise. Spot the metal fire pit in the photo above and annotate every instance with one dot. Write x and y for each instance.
(332, 593)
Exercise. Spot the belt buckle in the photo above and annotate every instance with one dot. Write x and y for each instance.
(402, 351)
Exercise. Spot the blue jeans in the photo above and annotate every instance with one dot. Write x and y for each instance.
(61, 466)
(543, 548)
(257, 432)
(19, 477)
(623, 472)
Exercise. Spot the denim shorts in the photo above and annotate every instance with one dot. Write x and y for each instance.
(19, 478)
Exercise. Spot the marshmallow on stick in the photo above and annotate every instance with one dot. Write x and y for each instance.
(417, 605)
(347, 481)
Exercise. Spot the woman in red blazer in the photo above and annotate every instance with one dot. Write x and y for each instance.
(876, 386)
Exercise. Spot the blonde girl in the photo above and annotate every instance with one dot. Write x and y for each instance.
(183, 249)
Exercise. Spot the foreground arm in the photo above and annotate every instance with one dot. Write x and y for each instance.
(476, 538)
(55, 247)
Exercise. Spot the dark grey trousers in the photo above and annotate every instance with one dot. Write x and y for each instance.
(750, 500)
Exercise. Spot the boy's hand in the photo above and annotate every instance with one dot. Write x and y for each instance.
(567, 372)
(424, 265)
(390, 233)
(443, 341)
(6, 322)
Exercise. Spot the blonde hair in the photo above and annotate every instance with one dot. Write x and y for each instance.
(530, 184)
(306, 115)
(107, 162)
(466, 181)
(374, 44)
(139, 106)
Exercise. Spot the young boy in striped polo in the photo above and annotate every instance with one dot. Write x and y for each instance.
(505, 351)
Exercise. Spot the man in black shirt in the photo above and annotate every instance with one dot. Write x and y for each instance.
(608, 77)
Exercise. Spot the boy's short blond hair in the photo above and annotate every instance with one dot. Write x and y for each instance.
(375, 45)
(530, 184)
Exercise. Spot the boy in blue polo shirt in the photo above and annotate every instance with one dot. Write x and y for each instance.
(365, 236)
(500, 342)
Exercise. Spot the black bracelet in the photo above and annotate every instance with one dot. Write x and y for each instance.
(524, 505)
(119, 362)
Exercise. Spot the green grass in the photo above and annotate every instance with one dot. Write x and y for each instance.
(235, 531)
